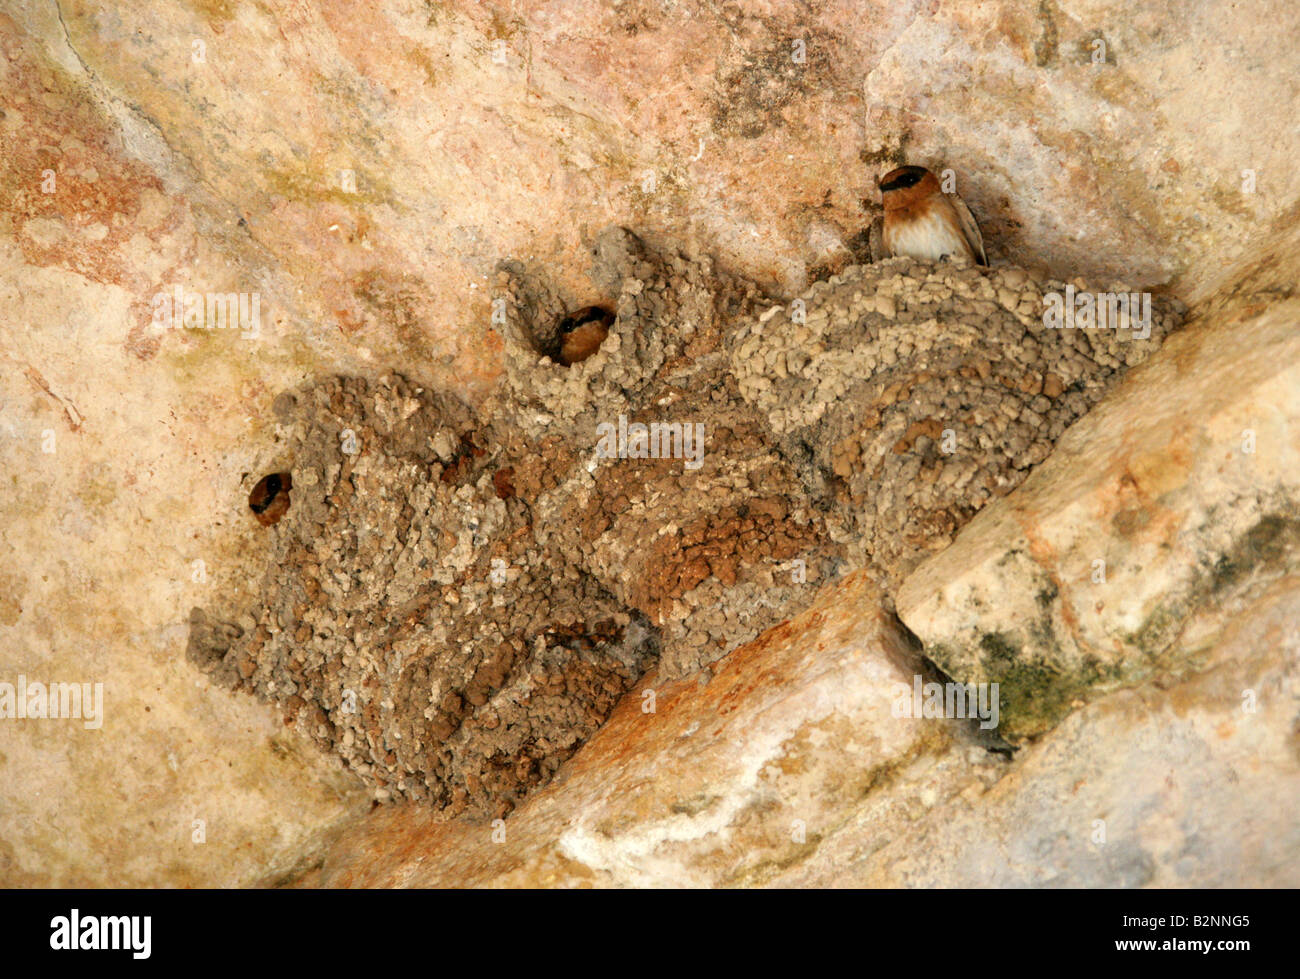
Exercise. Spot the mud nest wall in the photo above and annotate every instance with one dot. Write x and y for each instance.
(455, 599)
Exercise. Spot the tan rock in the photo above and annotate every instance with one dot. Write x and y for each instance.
(1154, 512)
(1190, 783)
(367, 191)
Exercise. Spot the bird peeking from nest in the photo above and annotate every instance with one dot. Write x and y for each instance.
(923, 222)
(580, 334)
(269, 500)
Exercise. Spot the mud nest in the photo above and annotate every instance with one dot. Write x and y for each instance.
(456, 598)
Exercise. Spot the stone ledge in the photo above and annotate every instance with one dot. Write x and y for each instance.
(795, 726)
(1176, 493)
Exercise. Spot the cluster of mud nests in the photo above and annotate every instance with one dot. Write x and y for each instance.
(454, 599)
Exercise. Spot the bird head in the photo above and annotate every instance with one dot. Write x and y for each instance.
(906, 185)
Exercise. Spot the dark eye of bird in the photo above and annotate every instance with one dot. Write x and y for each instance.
(902, 181)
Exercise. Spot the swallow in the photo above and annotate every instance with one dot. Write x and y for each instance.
(921, 221)
(269, 500)
(582, 333)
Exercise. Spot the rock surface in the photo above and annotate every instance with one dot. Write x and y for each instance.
(813, 781)
(209, 146)
(1187, 782)
(1155, 515)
